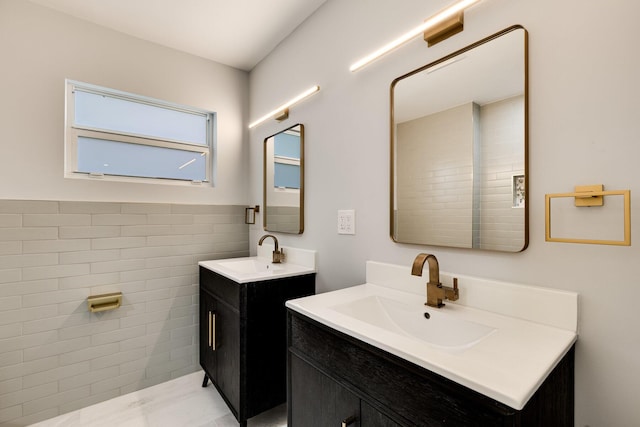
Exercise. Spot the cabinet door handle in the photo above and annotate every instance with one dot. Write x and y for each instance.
(212, 330)
(349, 420)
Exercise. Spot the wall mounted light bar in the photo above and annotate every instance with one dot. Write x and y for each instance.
(450, 17)
(282, 112)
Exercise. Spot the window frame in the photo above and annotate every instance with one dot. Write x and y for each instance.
(74, 131)
(289, 161)
(286, 160)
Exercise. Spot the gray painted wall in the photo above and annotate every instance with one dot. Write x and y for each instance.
(583, 130)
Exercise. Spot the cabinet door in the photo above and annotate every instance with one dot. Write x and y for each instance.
(207, 330)
(220, 346)
(371, 417)
(227, 349)
(318, 401)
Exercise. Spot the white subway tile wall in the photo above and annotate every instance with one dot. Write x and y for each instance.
(461, 212)
(436, 178)
(56, 356)
(285, 219)
(503, 153)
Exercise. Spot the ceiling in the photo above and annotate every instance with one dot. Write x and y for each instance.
(238, 33)
(491, 72)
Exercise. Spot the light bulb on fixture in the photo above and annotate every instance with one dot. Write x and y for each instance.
(437, 19)
(283, 110)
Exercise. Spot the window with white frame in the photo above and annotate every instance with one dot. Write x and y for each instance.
(286, 151)
(116, 134)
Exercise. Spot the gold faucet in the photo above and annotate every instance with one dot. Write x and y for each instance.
(435, 291)
(278, 254)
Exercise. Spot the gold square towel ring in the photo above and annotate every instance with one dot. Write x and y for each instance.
(104, 302)
(590, 195)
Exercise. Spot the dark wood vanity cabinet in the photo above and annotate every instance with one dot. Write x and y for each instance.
(334, 378)
(243, 339)
(316, 400)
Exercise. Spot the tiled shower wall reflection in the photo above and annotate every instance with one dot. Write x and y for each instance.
(55, 356)
(284, 219)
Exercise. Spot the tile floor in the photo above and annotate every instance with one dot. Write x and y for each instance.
(182, 402)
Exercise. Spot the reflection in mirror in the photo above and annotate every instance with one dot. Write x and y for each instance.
(283, 181)
(459, 148)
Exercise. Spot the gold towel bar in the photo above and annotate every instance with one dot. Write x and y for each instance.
(104, 302)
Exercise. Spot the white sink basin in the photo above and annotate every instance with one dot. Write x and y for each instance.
(251, 265)
(431, 326)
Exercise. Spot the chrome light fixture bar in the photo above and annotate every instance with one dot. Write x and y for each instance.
(282, 112)
(453, 12)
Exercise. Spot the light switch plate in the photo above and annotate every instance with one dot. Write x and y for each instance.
(347, 221)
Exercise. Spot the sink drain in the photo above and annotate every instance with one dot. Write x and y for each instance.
(427, 315)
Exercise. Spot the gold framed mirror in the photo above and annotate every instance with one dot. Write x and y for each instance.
(283, 181)
(459, 138)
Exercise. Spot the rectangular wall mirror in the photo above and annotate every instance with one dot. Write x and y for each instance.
(283, 181)
(459, 148)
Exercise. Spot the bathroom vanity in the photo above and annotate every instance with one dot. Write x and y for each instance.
(335, 378)
(361, 356)
(243, 329)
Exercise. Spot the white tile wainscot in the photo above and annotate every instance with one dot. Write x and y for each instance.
(55, 356)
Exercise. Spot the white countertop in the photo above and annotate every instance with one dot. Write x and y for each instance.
(508, 364)
(259, 268)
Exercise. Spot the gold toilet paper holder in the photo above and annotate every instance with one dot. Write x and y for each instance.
(104, 302)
